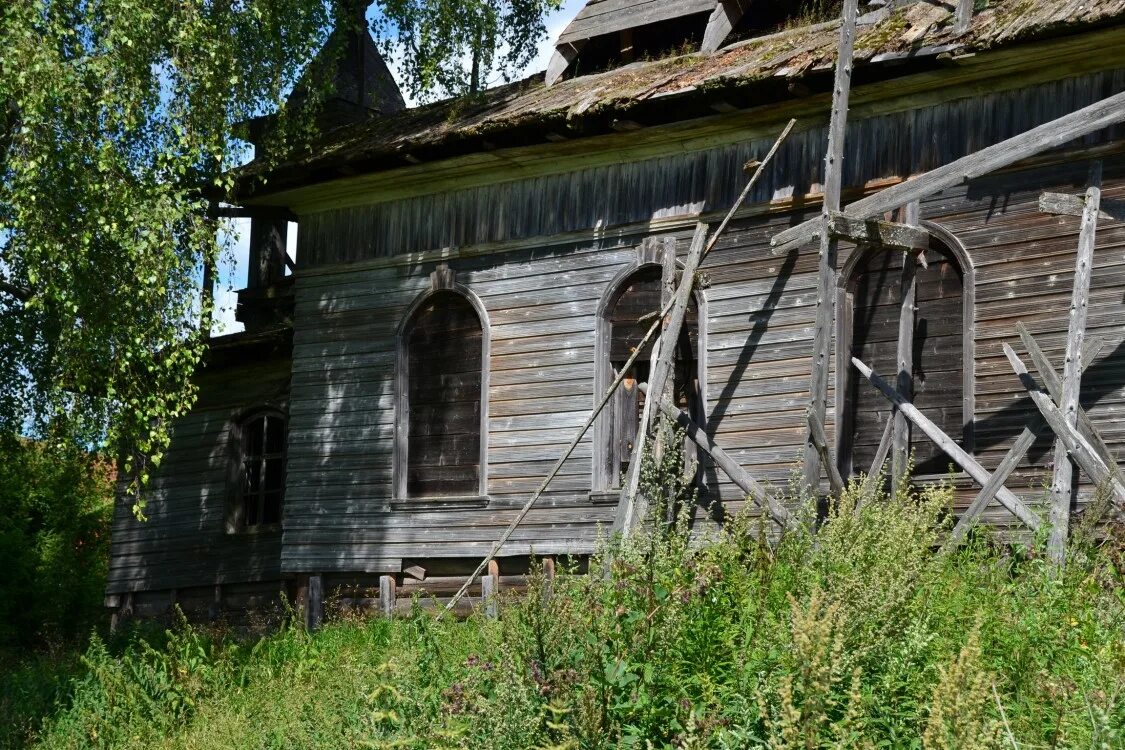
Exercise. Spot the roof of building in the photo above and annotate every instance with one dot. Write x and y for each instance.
(754, 72)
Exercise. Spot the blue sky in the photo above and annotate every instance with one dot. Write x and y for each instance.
(232, 270)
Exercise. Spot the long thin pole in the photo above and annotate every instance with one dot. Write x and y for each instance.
(656, 325)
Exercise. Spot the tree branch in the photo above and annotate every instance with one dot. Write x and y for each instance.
(21, 293)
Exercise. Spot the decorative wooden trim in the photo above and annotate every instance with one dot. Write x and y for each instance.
(442, 282)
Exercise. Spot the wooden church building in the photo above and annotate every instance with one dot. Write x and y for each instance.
(471, 275)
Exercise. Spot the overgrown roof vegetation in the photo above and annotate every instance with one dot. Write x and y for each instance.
(588, 104)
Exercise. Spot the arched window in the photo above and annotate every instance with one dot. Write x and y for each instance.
(626, 315)
(260, 480)
(442, 399)
(941, 385)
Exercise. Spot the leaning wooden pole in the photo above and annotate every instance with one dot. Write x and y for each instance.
(1072, 368)
(829, 245)
(656, 324)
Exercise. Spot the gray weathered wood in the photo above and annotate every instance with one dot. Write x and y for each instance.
(490, 590)
(820, 440)
(633, 505)
(1077, 446)
(826, 272)
(387, 595)
(908, 291)
(514, 524)
(876, 232)
(876, 464)
(949, 446)
(314, 603)
(1064, 204)
(963, 16)
(1061, 494)
(1054, 385)
(753, 489)
(1103, 114)
(564, 55)
(727, 13)
(1011, 460)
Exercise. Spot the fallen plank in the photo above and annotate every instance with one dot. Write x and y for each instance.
(949, 446)
(1107, 112)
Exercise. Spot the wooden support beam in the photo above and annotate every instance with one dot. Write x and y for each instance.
(1062, 204)
(1061, 492)
(1077, 446)
(820, 440)
(753, 489)
(633, 506)
(876, 232)
(876, 465)
(388, 594)
(1103, 114)
(490, 590)
(1053, 382)
(949, 446)
(908, 290)
(563, 56)
(1011, 460)
(314, 603)
(826, 273)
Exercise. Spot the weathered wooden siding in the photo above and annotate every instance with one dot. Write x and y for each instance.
(183, 543)
(890, 145)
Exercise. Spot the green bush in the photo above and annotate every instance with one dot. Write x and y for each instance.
(55, 509)
(857, 636)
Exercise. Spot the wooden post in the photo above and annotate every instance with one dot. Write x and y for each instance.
(314, 603)
(1098, 116)
(388, 595)
(632, 507)
(490, 590)
(949, 446)
(908, 290)
(548, 579)
(1072, 368)
(1079, 448)
(820, 440)
(876, 465)
(826, 277)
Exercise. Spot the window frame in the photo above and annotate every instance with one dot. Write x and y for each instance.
(603, 378)
(442, 283)
(235, 521)
(845, 313)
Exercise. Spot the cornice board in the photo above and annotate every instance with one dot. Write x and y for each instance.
(1005, 69)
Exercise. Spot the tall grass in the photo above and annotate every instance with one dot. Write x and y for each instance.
(856, 636)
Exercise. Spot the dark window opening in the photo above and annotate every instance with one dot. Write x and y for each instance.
(262, 470)
(444, 376)
(938, 385)
(629, 317)
(652, 41)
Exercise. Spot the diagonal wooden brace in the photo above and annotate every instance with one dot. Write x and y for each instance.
(730, 467)
(1010, 461)
(820, 440)
(1010, 501)
(1077, 446)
